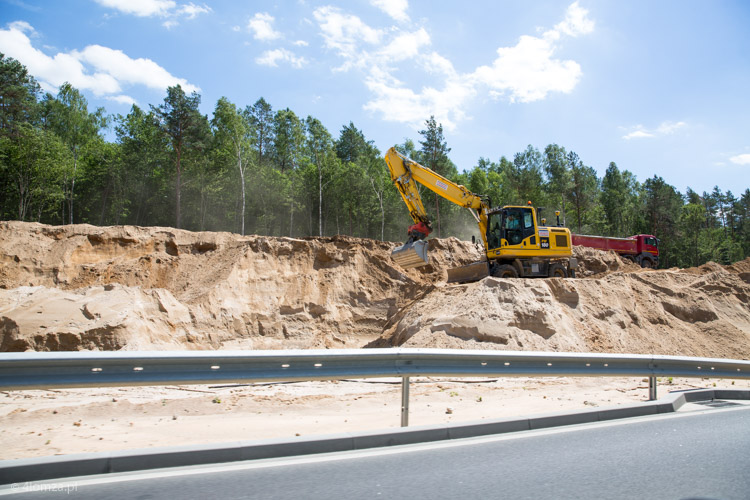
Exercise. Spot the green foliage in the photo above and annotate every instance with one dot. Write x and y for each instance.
(67, 116)
(180, 122)
(253, 170)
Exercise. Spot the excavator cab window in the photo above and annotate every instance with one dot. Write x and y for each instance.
(518, 224)
(494, 231)
(528, 223)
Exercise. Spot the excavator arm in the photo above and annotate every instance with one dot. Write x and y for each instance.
(405, 174)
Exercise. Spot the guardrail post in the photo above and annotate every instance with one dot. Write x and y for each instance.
(652, 388)
(404, 401)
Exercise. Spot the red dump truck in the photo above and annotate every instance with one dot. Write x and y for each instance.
(641, 248)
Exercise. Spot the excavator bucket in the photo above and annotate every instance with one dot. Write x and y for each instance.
(411, 254)
(471, 272)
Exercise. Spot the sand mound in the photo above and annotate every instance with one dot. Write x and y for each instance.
(656, 312)
(85, 287)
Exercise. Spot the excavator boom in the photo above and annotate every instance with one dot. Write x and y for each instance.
(405, 174)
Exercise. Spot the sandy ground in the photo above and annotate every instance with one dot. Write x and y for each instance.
(80, 287)
(54, 422)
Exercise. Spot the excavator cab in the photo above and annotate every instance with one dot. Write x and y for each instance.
(510, 225)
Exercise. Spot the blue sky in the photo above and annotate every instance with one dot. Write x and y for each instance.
(657, 87)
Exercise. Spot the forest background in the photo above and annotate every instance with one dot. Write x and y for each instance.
(256, 170)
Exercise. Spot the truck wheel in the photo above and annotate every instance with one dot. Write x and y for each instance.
(504, 271)
(647, 263)
(557, 271)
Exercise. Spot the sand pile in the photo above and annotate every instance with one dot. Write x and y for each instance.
(695, 312)
(85, 287)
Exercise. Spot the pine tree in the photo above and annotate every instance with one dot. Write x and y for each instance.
(178, 117)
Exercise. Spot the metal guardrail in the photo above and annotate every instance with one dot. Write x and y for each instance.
(46, 370)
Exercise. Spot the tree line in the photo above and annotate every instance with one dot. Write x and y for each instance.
(256, 170)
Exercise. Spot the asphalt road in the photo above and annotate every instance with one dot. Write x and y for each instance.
(694, 455)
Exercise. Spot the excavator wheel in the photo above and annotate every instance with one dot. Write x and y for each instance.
(505, 271)
(557, 271)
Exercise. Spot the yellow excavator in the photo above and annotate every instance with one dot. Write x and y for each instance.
(515, 245)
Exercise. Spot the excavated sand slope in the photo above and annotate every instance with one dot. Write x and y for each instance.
(85, 287)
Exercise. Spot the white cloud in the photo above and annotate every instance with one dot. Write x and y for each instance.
(190, 10)
(158, 8)
(665, 128)
(406, 46)
(261, 27)
(394, 8)
(743, 159)
(300, 43)
(576, 22)
(98, 69)
(528, 71)
(638, 134)
(130, 71)
(344, 33)
(122, 99)
(274, 57)
(525, 72)
(397, 103)
(23, 27)
(140, 8)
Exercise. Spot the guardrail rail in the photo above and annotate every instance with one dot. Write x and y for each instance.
(49, 370)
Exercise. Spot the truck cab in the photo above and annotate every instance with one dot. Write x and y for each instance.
(648, 250)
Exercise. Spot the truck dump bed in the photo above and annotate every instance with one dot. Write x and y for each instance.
(619, 245)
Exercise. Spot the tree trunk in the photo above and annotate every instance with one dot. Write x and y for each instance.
(178, 215)
(104, 202)
(291, 211)
(379, 195)
(73, 185)
(320, 201)
(242, 181)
